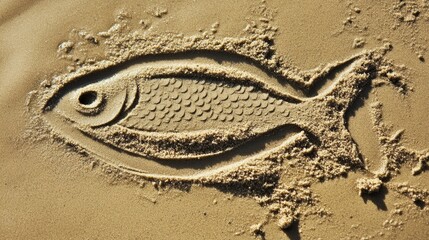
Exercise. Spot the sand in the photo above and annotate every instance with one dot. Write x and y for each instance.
(247, 120)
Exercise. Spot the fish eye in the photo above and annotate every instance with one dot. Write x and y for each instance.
(88, 98)
(89, 102)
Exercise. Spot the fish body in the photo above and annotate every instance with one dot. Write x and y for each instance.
(193, 111)
(183, 112)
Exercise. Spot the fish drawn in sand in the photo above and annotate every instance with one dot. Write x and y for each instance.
(185, 110)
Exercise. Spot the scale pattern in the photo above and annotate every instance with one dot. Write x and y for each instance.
(174, 104)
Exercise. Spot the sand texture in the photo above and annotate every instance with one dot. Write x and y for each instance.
(214, 120)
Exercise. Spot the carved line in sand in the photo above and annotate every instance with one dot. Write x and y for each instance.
(162, 112)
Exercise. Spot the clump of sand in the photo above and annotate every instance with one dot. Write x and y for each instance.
(368, 186)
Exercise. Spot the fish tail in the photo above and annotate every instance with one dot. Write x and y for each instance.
(327, 110)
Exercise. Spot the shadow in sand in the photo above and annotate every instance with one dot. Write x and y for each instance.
(293, 231)
(377, 198)
(419, 203)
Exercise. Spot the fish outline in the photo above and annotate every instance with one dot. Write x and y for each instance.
(359, 62)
